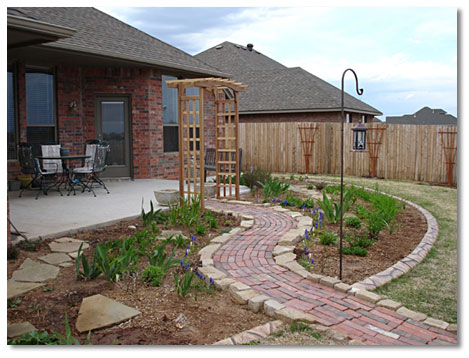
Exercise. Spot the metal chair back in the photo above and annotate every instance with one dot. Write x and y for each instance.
(51, 165)
(91, 151)
(100, 158)
(26, 158)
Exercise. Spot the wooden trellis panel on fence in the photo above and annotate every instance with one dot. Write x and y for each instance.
(407, 152)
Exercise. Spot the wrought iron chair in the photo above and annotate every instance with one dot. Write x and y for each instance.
(46, 179)
(210, 161)
(26, 159)
(88, 175)
(51, 151)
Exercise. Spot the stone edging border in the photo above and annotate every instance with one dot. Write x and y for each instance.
(283, 255)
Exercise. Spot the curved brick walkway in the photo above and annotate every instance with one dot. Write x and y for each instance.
(247, 258)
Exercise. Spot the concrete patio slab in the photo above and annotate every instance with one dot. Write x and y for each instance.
(54, 216)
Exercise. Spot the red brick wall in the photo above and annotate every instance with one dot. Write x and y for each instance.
(299, 117)
(75, 126)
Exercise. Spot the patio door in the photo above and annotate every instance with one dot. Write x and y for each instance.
(113, 127)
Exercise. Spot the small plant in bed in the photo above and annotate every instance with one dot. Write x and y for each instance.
(154, 275)
(353, 222)
(357, 251)
(328, 238)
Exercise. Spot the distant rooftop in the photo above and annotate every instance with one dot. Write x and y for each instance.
(427, 116)
(275, 88)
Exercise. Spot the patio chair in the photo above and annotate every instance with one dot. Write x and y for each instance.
(210, 162)
(89, 175)
(51, 151)
(26, 159)
(46, 179)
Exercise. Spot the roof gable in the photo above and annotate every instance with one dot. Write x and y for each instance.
(425, 115)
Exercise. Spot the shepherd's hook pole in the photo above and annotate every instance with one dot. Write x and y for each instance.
(359, 92)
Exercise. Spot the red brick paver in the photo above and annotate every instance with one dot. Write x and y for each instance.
(247, 257)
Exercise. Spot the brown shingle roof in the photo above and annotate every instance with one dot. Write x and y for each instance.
(102, 34)
(274, 87)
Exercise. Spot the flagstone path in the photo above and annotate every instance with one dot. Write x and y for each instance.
(247, 257)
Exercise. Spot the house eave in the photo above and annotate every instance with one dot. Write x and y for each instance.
(134, 59)
(24, 32)
(312, 110)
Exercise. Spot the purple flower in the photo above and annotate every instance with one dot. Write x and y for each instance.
(252, 169)
(211, 280)
(312, 261)
(182, 263)
(187, 251)
(278, 200)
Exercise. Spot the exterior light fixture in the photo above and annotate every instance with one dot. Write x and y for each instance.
(359, 137)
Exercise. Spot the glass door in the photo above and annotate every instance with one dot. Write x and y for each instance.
(113, 127)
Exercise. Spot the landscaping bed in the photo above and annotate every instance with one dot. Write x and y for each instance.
(395, 240)
(206, 314)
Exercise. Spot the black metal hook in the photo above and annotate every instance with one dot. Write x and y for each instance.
(359, 90)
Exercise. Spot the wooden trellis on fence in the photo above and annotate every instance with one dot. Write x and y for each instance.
(375, 137)
(191, 135)
(307, 134)
(449, 146)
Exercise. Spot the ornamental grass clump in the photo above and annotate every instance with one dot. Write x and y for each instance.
(273, 188)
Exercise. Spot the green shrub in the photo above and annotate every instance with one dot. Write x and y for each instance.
(200, 230)
(359, 241)
(254, 177)
(274, 188)
(353, 222)
(357, 251)
(327, 238)
(227, 223)
(154, 275)
(12, 253)
(310, 187)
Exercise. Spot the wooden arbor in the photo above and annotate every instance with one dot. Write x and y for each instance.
(449, 146)
(307, 134)
(191, 135)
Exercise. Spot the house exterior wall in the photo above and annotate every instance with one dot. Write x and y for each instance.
(299, 117)
(81, 84)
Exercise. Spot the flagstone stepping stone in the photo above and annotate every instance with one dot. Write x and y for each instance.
(15, 288)
(66, 264)
(55, 258)
(18, 329)
(32, 271)
(167, 233)
(67, 244)
(99, 311)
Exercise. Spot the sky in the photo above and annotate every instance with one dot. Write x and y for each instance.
(405, 57)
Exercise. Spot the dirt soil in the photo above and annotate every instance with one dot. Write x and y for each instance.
(210, 314)
(386, 251)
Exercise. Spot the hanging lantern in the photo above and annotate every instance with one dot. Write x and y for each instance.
(359, 137)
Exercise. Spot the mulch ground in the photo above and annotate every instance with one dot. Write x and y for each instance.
(210, 315)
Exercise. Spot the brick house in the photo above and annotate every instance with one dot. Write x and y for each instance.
(277, 93)
(76, 74)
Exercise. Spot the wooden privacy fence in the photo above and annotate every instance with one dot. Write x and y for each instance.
(407, 152)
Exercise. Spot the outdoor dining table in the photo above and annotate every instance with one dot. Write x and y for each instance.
(67, 171)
